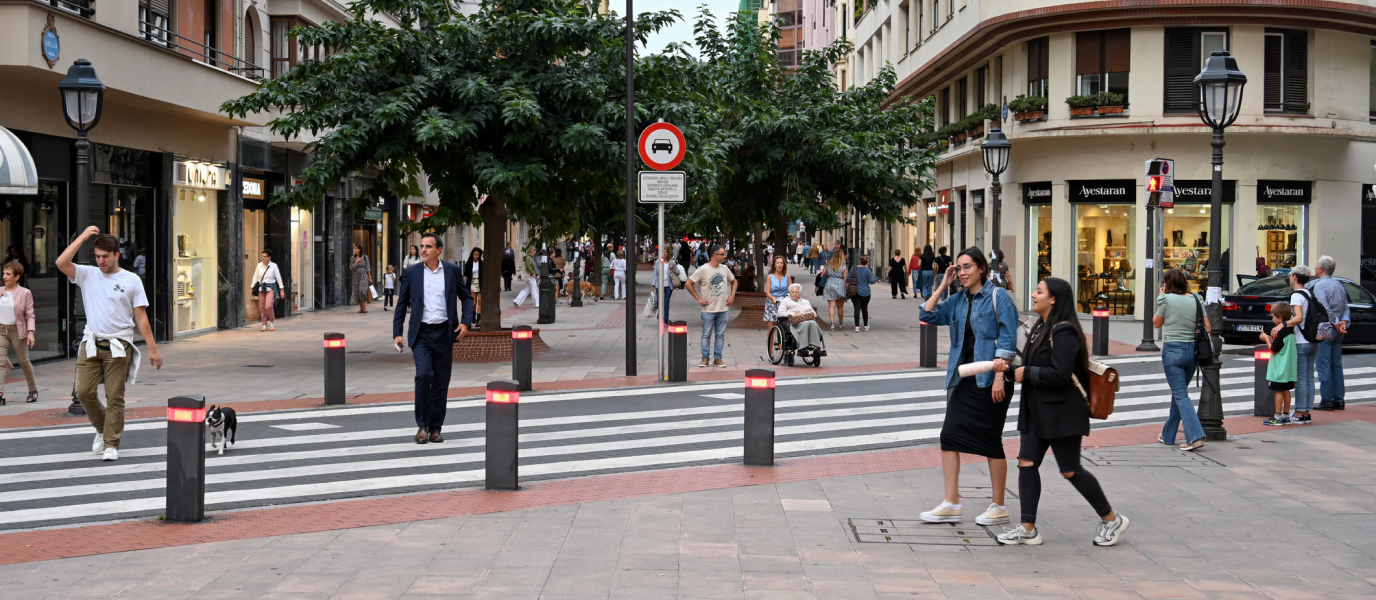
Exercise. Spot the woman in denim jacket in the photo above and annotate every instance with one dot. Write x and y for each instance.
(984, 323)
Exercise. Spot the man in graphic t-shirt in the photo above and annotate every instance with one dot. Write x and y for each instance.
(714, 287)
(115, 303)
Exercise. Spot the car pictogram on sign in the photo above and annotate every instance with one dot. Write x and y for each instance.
(661, 144)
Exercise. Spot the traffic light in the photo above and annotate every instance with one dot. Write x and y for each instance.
(1154, 183)
(1161, 182)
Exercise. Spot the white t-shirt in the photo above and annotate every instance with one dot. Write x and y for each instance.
(1298, 299)
(389, 281)
(7, 309)
(109, 300)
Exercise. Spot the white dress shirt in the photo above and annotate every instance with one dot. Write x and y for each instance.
(434, 311)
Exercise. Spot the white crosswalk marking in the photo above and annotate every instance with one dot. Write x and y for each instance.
(366, 453)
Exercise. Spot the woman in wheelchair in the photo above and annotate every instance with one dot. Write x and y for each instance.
(806, 333)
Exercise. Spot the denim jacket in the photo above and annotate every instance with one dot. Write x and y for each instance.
(992, 339)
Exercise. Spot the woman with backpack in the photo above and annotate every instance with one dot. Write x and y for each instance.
(1180, 315)
(1054, 413)
(1303, 308)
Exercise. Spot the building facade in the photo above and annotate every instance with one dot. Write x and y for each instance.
(1117, 82)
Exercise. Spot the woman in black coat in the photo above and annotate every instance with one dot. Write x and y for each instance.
(1054, 412)
(472, 273)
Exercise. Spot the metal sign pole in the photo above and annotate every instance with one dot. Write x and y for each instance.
(663, 275)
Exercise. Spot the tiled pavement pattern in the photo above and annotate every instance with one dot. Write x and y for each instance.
(47, 477)
(1287, 515)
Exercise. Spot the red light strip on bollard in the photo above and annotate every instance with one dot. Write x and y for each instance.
(522, 335)
(1101, 312)
(759, 383)
(186, 415)
(1262, 354)
(334, 343)
(503, 397)
(678, 329)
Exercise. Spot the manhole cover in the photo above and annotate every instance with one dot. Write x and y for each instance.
(896, 531)
(1146, 457)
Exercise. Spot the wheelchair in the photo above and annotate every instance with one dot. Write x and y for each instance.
(783, 347)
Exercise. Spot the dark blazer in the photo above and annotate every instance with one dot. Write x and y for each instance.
(412, 296)
(1047, 389)
(467, 274)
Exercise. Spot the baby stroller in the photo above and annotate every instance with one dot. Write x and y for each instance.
(783, 346)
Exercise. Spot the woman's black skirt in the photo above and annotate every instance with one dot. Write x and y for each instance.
(974, 422)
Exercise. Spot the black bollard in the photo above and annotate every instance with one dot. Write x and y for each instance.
(186, 458)
(678, 351)
(759, 417)
(547, 296)
(334, 369)
(503, 414)
(521, 336)
(926, 346)
(1263, 399)
(1100, 330)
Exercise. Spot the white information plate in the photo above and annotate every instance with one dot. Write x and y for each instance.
(663, 187)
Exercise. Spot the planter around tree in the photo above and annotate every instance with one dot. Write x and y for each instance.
(1081, 112)
(493, 346)
(1031, 115)
(752, 311)
(1111, 110)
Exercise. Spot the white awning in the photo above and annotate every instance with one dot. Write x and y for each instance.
(18, 175)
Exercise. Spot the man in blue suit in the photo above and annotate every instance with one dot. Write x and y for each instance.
(441, 312)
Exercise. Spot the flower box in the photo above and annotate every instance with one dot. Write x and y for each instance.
(1111, 110)
(1031, 115)
(976, 132)
(958, 138)
(1081, 112)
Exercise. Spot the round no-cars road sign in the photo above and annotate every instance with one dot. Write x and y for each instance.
(662, 146)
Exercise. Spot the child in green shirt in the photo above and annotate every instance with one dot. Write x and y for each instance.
(1281, 371)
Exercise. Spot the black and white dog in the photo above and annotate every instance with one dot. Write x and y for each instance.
(223, 425)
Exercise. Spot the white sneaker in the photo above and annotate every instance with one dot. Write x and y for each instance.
(994, 515)
(111, 454)
(867, 328)
(264, 327)
(1110, 531)
(1018, 535)
(857, 329)
(98, 444)
(943, 513)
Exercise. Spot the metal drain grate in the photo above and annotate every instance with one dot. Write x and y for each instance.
(894, 531)
(1146, 457)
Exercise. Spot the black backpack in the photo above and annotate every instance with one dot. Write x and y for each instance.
(1314, 314)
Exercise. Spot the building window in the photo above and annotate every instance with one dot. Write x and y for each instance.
(1186, 50)
(981, 79)
(1371, 84)
(1038, 70)
(944, 99)
(936, 15)
(153, 21)
(962, 104)
(1286, 71)
(281, 49)
(1102, 61)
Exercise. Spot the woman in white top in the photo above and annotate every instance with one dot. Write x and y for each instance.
(619, 274)
(267, 281)
(472, 271)
(807, 333)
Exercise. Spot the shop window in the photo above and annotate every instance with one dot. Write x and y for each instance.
(1038, 69)
(1105, 275)
(1186, 50)
(1286, 72)
(1280, 234)
(195, 274)
(1039, 246)
(1185, 230)
(1103, 61)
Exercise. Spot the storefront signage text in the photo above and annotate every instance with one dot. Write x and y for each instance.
(1201, 191)
(1284, 192)
(200, 175)
(1036, 192)
(1103, 190)
(253, 189)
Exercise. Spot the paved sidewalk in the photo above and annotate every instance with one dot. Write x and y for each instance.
(1272, 513)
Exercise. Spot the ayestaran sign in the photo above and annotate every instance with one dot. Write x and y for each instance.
(1103, 191)
(1284, 192)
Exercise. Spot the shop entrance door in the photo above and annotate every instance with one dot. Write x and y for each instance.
(129, 215)
(1368, 250)
(253, 250)
(365, 235)
(34, 236)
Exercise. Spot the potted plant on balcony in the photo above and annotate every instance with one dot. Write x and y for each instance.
(1082, 106)
(975, 122)
(1027, 108)
(1109, 103)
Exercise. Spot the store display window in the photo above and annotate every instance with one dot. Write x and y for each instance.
(1104, 244)
(195, 261)
(1038, 245)
(1280, 236)
(1186, 242)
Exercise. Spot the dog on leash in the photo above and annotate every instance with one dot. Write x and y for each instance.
(223, 425)
(589, 291)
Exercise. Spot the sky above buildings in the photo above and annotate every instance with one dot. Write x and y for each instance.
(683, 30)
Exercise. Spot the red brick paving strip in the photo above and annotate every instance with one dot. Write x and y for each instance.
(29, 546)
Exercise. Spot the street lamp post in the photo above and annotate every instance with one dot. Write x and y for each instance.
(82, 98)
(1219, 88)
(996, 148)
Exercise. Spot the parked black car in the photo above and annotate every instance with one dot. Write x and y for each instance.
(1247, 312)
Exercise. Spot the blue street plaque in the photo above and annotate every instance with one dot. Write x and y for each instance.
(51, 46)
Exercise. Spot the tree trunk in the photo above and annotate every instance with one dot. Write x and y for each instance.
(781, 228)
(493, 212)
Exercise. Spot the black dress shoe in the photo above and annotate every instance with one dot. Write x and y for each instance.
(1325, 406)
(1339, 405)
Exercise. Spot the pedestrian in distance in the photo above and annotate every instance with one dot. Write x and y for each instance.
(915, 272)
(532, 288)
(998, 270)
(412, 257)
(115, 304)
(898, 275)
(1280, 370)
(863, 277)
(472, 274)
(798, 253)
(926, 263)
(558, 261)
(812, 260)
(776, 288)
(619, 276)
(940, 264)
(389, 288)
(806, 331)
(667, 275)
(267, 285)
(441, 309)
(983, 322)
(1303, 319)
(363, 279)
(16, 328)
(508, 266)
(714, 287)
(607, 256)
(1180, 314)
(835, 291)
(1054, 413)
(1328, 362)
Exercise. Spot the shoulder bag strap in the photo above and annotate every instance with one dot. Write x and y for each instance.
(1074, 377)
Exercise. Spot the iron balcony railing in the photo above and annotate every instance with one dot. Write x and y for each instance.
(157, 34)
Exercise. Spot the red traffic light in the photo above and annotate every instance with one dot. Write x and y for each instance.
(1154, 183)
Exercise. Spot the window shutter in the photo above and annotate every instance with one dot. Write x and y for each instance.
(1271, 72)
(250, 40)
(1038, 52)
(1087, 52)
(1118, 51)
(1182, 64)
(1044, 58)
(159, 6)
(1297, 72)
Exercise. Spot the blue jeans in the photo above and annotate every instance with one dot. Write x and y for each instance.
(664, 314)
(927, 283)
(1329, 364)
(1178, 360)
(711, 322)
(1304, 381)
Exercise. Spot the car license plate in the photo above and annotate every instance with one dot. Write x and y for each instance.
(1256, 328)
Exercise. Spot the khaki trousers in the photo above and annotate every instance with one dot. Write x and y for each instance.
(9, 338)
(90, 371)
